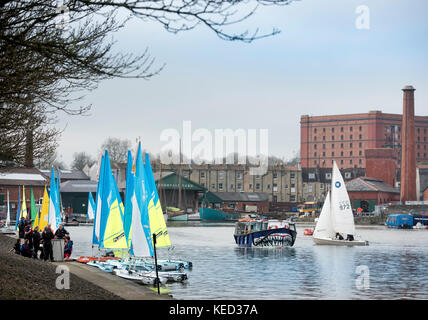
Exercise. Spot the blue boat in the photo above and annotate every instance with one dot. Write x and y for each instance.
(209, 214)
(400, 221)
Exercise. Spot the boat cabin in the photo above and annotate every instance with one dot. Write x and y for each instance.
(246, 226)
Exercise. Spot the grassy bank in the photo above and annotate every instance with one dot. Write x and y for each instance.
(29, 279)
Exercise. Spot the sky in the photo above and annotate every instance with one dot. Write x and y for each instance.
(321, 63)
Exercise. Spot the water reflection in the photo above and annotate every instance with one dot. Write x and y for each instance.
(265, 252)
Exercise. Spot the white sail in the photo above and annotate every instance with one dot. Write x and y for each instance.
(341, 210)
(8, 211)
(324, 227)
(139, 242)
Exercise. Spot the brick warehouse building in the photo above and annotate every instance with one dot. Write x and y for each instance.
(344, 138)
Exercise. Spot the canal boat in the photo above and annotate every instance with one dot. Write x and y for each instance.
(265, 233)
(335, 225)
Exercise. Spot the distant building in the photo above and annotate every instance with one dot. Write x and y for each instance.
(366, 193)
(238, 201)
(344, 138)
(13, 179)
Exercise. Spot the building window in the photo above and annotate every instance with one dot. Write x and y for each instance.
(350, 137)
(220, 186)
(323, 138)
(341, 137)
(350, 145)
(315, 138)
(315, 154)
(275, 187)
(332, 137)
(250, 186)
(341, 145)
(239, 187)
(286, 186)
(360, 153)
(202, 174)
(341, 161)
(213, 186)
(292, 175)
(268, 186)
(292, 198)
(221, 174)
(315, 130)
(350, 161)
(361, 128)
(332, 145)
(323, 146)
(360, 161)
(341, 153)
(350, 129)
(361, 144)
(332, 154)
(311, 175)
(239, 175)
(257, 186)
(332, 129)
(361, 136)
(341, 129)
(315, 146)
(328, 176)
(323, 154)
(275, 175)
(347, 175)
(323, 129)
(231, 186)
(309, 188)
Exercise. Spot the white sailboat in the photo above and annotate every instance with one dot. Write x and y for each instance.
(7, 228)
(336, 216)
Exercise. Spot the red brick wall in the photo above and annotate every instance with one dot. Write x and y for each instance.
(13, 194)
(379, 197)
(381, 164)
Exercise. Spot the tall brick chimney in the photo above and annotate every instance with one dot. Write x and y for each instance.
(408, 157)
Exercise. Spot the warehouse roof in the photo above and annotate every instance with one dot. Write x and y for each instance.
(78, 186)
(369, 185)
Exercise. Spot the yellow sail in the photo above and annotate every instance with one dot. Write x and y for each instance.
(114, 236)
(24, 205)
(44, 214)
(157, 224)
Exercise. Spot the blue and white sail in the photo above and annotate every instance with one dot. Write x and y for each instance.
(91, 207)
(54, 211)
(112, 234)
(129, 191)
(141, 238)
(97, 218)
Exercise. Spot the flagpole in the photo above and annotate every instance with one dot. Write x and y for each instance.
(156, 262)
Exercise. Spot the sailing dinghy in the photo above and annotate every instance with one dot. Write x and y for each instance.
(336, 219)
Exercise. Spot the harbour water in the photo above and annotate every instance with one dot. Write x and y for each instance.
(393, 266)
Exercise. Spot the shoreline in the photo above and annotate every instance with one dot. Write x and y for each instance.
(31, 279)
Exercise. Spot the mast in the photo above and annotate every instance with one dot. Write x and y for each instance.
(179, 181)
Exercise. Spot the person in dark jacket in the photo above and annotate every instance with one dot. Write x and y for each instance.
(17, 247)
(28, 233)
(21, 227)
(36, 243)
(26, 250)
(47, 237)
(61, 232)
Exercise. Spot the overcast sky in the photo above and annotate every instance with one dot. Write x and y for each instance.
(319, 64)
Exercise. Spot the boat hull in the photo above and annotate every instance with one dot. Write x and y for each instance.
(178, 217)
(281, 237)
(208, 214)
(334, 242)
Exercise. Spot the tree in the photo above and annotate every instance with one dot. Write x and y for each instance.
(117, 149)
(51, 55)
(50, 160)
(80, 160)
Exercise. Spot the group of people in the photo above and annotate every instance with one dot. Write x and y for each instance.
(30, 241)
(349, 237)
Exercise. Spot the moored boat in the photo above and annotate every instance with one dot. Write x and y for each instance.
(209, 214)
(308, 232)
(265, 233)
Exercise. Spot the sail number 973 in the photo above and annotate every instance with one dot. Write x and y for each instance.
(344, 205)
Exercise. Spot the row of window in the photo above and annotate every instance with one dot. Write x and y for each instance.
(342, 137)
(360, 153)
(250, 186)
(360, 161)
(360, 145)
(360, 128)
(239, 175)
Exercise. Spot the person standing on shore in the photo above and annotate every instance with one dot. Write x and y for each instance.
(47, 237)
(21, 227)
(61, 232)
(28, 233)
(36, 243)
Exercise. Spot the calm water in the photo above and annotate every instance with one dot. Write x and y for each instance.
(397, 262)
